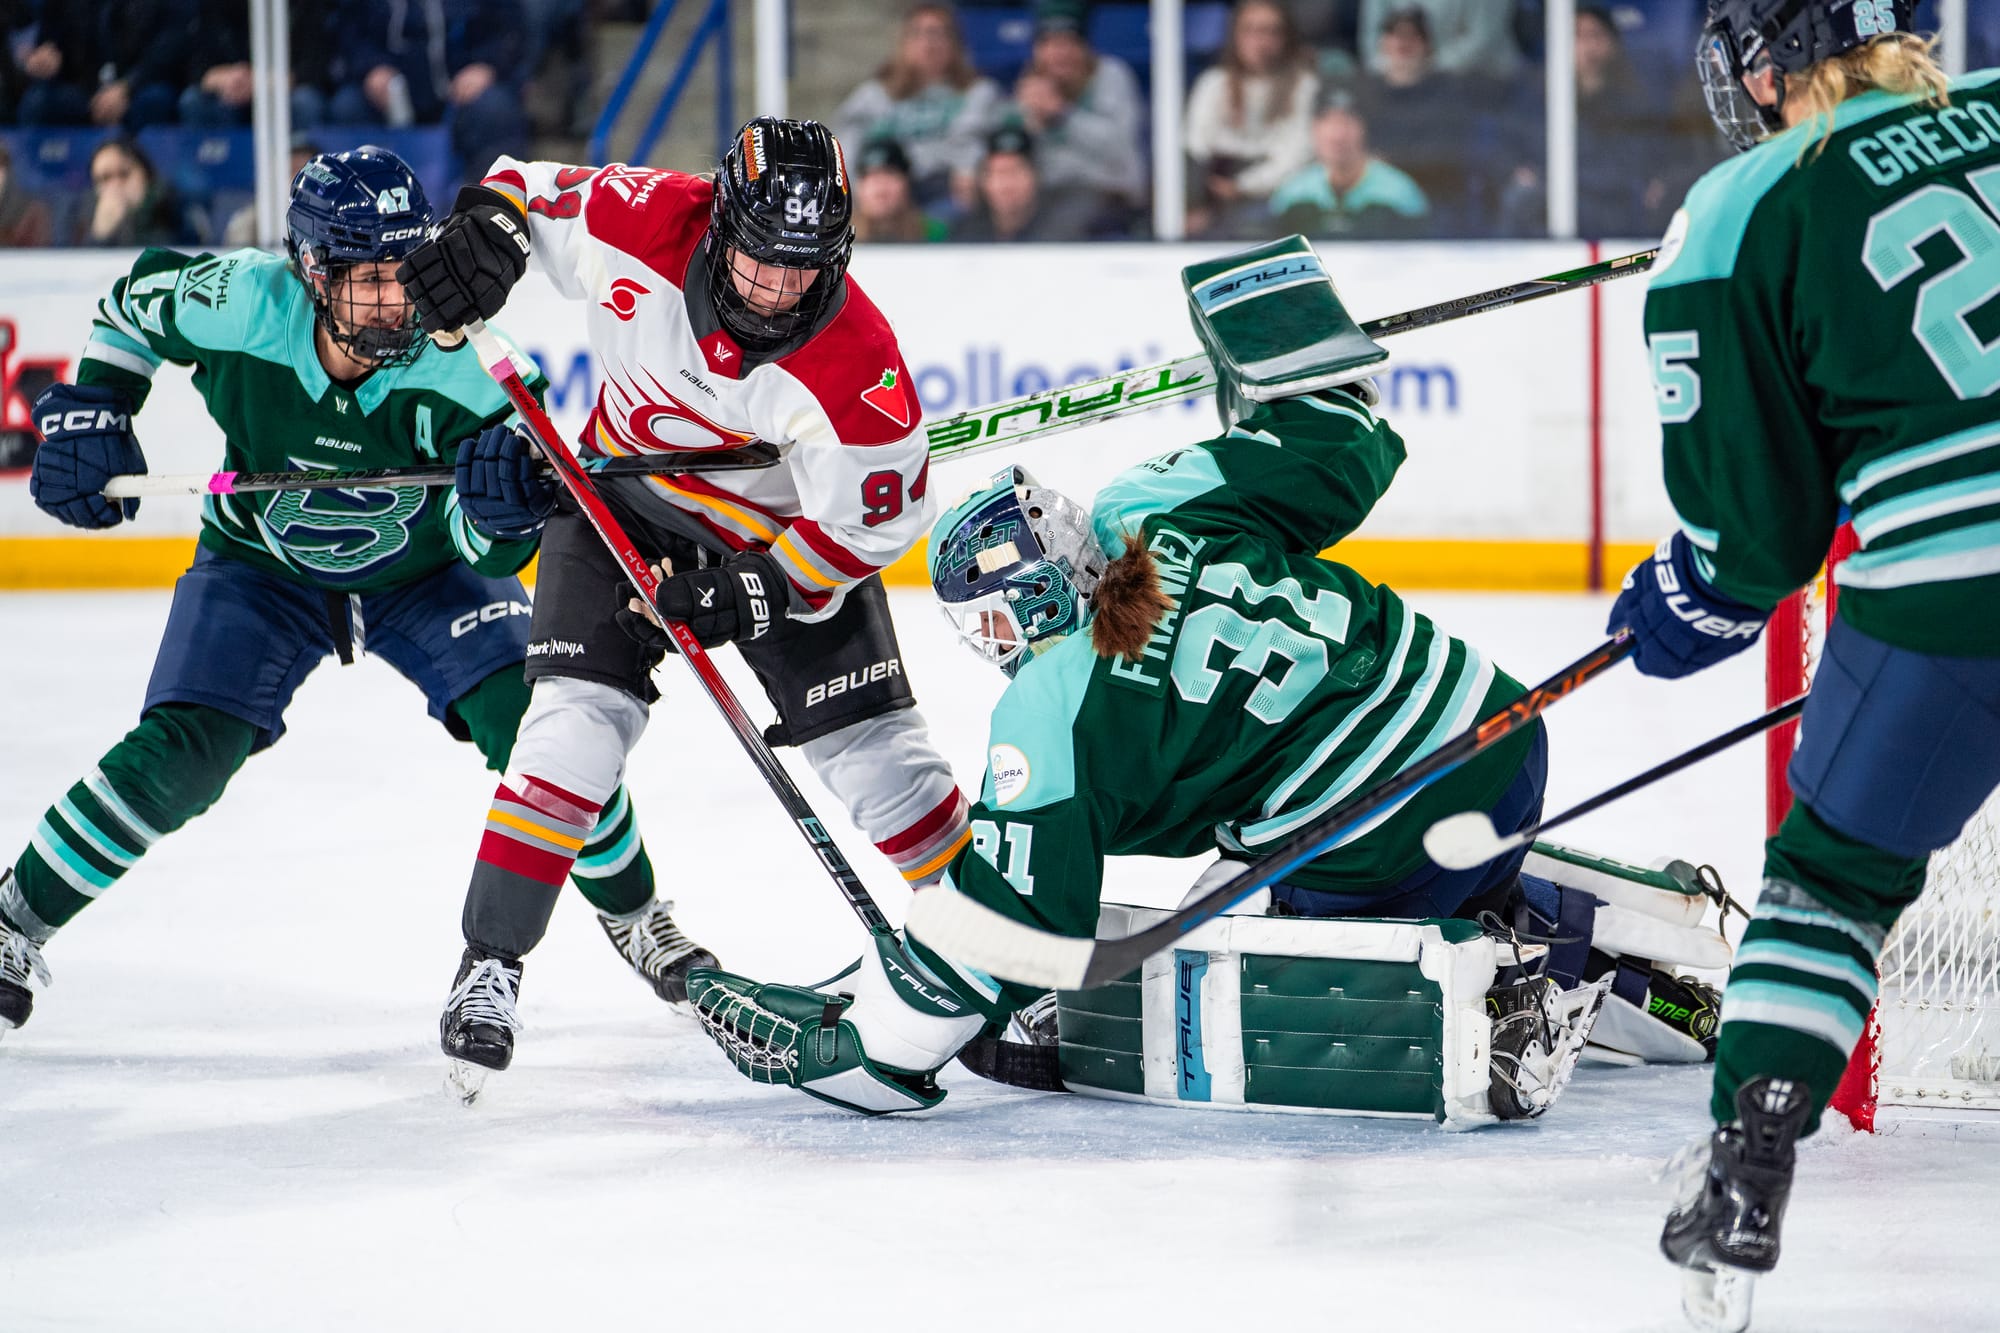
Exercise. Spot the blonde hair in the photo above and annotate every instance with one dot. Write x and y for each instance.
(1900, 63)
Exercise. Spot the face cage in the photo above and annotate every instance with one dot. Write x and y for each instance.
(755, 328)
(379, 346)
(968, 619)
(1742, 121)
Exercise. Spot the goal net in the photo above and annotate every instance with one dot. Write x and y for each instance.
(1932, 1048)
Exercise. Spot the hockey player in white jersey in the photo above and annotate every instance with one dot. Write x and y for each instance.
(721, 312)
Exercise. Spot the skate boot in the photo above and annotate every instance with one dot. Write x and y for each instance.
(1689, 1007)
(649, 940)
(1733, 1190)
(478, 1024)
(19, 960)
(1027, 1053)
(1539, 1031)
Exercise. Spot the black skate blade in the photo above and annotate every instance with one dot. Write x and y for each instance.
(465, 1081)
(1717, 1300)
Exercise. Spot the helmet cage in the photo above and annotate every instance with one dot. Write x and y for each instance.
(1742, 37)
(782, 201)
(348, 209)
(1722, 65)
(379, 345)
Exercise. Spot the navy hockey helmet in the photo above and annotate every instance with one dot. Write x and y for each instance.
(1743, 36)
(360, 207)
(783, 202)
(1015, 565)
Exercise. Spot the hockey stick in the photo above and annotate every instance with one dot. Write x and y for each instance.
(1052, 411)
(1460, 842)
(493, 355)
(972, 933)
(756, 454)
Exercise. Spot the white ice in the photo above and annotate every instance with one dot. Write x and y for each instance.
(227, 1112)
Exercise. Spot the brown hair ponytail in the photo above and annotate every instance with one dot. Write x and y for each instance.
(1128, 603)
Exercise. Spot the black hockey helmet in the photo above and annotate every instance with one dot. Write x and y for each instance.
(360, 207)
(782, 200)
(1741, 36)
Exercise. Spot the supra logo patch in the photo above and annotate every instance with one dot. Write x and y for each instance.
(625, 295)
(1010, 772)
(889, 398)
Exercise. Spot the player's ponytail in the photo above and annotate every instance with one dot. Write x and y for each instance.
(1900, 63)
(1128, 603)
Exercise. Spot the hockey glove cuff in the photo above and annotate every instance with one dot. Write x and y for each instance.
(503, 490)
(738, 601)
(87, 439)
(466, 270)
(1681, 624)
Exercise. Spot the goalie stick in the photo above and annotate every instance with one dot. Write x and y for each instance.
(493, 355)
(1052, 411)
(970, 932)
(756, 454)
(1460, 842)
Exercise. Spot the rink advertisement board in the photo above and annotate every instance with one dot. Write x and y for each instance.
(1498, 410)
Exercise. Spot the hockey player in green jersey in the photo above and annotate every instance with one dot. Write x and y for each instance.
(1821, 326)
(1189, 675)
(313, 363)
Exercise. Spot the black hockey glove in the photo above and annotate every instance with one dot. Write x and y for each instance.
(465, 271)
(738, 601)
(87, 439)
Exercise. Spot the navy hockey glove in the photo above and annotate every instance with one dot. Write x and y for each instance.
(465, 271)
(735, 602)
(1681, 624)
(87, 439)
(503, 489)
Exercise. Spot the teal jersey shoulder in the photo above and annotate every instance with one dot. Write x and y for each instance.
(1824, 332)
(1276, 685)
(244, 326)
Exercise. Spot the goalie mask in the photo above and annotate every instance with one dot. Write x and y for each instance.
(1789, 36)
(1014, 566)
(350, 215)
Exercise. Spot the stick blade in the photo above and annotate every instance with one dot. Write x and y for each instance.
(973, 933)
(1460, 842)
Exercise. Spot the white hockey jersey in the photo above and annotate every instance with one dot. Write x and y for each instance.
(850, 494)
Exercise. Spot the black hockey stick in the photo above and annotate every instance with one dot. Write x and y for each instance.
(1463, 841)
(1052, 411)
(577, 481)
(970, 932)
(756, 454)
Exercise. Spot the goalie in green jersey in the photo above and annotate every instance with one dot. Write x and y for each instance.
(1189, 676)
(310, 362)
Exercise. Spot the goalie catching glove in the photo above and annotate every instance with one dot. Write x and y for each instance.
(874, 1045)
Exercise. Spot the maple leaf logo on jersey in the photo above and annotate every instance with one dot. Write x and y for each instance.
(625, 295)
(889, 398)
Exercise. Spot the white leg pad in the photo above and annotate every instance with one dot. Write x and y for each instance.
(576, 734)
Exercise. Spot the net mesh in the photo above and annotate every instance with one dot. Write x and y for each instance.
(1935, 1038)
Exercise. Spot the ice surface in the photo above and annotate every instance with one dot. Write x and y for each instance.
(227, 1114)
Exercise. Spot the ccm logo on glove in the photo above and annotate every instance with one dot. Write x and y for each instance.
(84, 418)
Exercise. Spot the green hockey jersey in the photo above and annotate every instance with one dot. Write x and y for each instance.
(1824, 325)
(244, 323)
(1276, 686)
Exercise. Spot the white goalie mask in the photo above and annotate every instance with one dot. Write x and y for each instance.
(1014, 566)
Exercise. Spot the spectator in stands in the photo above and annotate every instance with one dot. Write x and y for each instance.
(1472, 37)
(129, 204)
(1011, 204)
(1424, 119)
(928, 98)
(1347, 191)
(241, 229)
(24, 219)
(456, 61)
(111, 63)
(885, 199)
(1084, 110)
(219, 85)
(1248, 120)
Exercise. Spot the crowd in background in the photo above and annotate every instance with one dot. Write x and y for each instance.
(1337, 118)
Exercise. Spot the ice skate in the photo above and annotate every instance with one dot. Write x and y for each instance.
(19, 960)
(1732, 1195)
(657, 950)
(1539, 1031)
(478, 1024)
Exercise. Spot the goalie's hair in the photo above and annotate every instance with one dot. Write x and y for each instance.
(1898, 63)
(1128, 602)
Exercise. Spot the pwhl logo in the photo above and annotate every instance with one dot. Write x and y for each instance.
(625, 295)
(22, 379)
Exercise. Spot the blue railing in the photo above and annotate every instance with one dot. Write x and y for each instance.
(714, 27)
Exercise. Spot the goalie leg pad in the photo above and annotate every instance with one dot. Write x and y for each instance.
(873, 1047)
